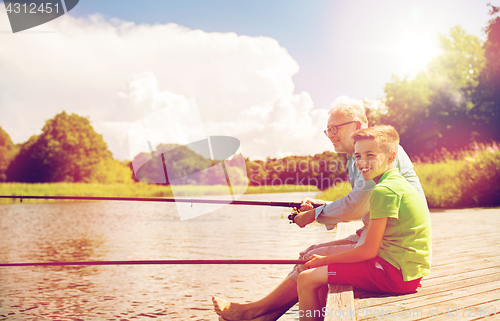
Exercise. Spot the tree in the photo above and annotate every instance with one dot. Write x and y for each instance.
(407, 102)
(7, 153)
(68, 150)
(434, 110)
(487, 98)
(181, 162)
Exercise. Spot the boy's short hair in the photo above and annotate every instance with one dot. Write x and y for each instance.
(385, 135)
(351, 111)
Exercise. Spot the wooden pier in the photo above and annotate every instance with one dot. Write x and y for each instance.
(464, 283)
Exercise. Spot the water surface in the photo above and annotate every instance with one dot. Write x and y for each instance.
(88, 231)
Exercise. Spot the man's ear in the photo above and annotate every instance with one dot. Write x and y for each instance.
(392, 157)
(358, 125)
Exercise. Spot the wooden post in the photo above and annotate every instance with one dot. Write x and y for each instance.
(340, 300)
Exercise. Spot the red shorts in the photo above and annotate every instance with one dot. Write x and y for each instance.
(375, 275)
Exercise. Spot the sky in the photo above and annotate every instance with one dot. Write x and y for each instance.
(265, 72)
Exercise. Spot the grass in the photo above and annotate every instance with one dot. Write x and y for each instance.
(335, 192)
(131, 190)
(465, 178)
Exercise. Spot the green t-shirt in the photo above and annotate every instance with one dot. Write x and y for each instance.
(406, 243)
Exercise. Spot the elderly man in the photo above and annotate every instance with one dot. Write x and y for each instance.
(343, 120)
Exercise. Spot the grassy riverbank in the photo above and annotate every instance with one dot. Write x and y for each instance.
(132, 190)
(335, 192)
(465, 178)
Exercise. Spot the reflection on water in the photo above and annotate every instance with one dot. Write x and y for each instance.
(88, 231)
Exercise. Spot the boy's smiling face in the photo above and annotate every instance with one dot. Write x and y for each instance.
(371, 160)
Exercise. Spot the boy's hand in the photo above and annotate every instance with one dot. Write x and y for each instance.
(315, 261)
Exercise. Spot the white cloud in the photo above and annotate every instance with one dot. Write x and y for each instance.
(117, 72)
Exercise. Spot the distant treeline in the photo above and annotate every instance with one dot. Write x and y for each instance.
(69, 150)
(185, 166)
(320, 170)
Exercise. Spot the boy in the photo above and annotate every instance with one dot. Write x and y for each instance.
(397, 250)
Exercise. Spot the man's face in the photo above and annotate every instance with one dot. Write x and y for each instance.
(342, 140)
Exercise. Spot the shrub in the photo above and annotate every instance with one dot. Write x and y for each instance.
(466, 178)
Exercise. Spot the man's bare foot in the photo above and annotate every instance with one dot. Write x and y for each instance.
(227, 310)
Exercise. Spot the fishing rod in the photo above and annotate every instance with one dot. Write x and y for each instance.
(156, 199)
(156, 262)
(291, 217)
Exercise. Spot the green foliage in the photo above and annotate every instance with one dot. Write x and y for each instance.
(487, 97)
(68, 150)
(112, 171)
(461, 62)
(183, 161)
(321, 170)
(442, 186)
(407, 102)
(336, 192)
(466, 178)
(8, 152)
(437, 108)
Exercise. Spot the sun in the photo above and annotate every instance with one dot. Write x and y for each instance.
(413, 52)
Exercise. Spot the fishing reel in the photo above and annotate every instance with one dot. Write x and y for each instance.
(296, 211)
(291, 217)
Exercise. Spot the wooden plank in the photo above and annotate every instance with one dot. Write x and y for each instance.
(430, 294)
(465, 271)
(435, 308)
(434, 295)
(445, 279)
(340, 300)
(489, 313)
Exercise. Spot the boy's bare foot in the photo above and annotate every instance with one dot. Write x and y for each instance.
(227, 310)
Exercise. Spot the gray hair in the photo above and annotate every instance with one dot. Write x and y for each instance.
(352, 111)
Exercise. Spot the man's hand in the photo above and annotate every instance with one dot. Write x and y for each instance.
(315, 261)
(309, 203)
(305, 218)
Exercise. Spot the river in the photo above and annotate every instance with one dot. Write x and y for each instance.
(94, 231)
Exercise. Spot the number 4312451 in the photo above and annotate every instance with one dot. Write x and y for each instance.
(471, 312)
(33, 8)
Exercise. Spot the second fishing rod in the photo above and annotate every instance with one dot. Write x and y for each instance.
(291, 217)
